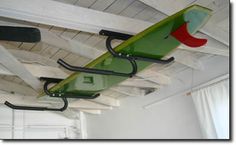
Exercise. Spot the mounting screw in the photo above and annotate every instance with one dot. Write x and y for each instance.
(166, 37)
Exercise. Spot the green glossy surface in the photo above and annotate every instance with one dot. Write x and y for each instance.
(152, 42)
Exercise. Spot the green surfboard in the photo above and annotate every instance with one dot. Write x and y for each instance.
(154, 42)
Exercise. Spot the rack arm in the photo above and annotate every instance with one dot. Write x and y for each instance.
(38, 108)
(109, 48)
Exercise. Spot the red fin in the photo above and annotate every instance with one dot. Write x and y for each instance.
(184, 37)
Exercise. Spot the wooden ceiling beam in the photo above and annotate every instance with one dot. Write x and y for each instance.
(38, 71)
(69, 16)
(92, 16)
(17, 68)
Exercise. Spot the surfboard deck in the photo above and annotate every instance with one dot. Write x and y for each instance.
(154, 42)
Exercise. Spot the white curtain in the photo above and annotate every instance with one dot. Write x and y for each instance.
(212, 106)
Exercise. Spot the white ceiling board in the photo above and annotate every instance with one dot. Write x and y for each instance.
(146, 14)
(85, 3)
(59, 54)
(101, 5)
(49, 51)
(82, 36)
(27, 46)
(68, 16)
(16, 88)
(84, 104)
(220, 15)
(68, 1)
(96, 112)
(70, 33)
(224, 25)
(57, 30)
(203, 2)
(155, 76)
(188, 58)
(38, 71)
(106, 100)
(130, 91)
(157, 18)
(217, 5)
(118, 6)
(133, 9)
(168, 70)
(29, 57)
(139, 83)
(168, 7)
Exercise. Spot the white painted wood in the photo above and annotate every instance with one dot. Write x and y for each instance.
(67, 16)
(133, 9)
(216, 32)
(30, 57)
(118, 6)
(85, 3)
(101, 5)
(74, 46)
(16, 67)
(38, 71)
(84, 104)
(146, 14)
(139, 83)
(11, 87)
(155, 76)
(5, 71)
(187, 58)
(83, 50)
(46, 71)
(102, 99)
(96, 112)
(129, 91)
(68, 113)
(168, 7)
(20, 100)
(83, 125)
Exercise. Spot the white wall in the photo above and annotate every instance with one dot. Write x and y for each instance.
(20, 124)
(173, 118)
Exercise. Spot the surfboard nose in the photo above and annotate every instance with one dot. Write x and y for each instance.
(182, 35)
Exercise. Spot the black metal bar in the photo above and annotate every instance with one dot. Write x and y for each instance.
(115, 35)
(16, 107)
(20, 34)
(98, 71)
(169, 60)
(61, 94)
(118, 35)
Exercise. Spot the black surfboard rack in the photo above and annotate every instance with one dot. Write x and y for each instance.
(35, 33)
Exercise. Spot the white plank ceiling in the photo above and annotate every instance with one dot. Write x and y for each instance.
(136, 9)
